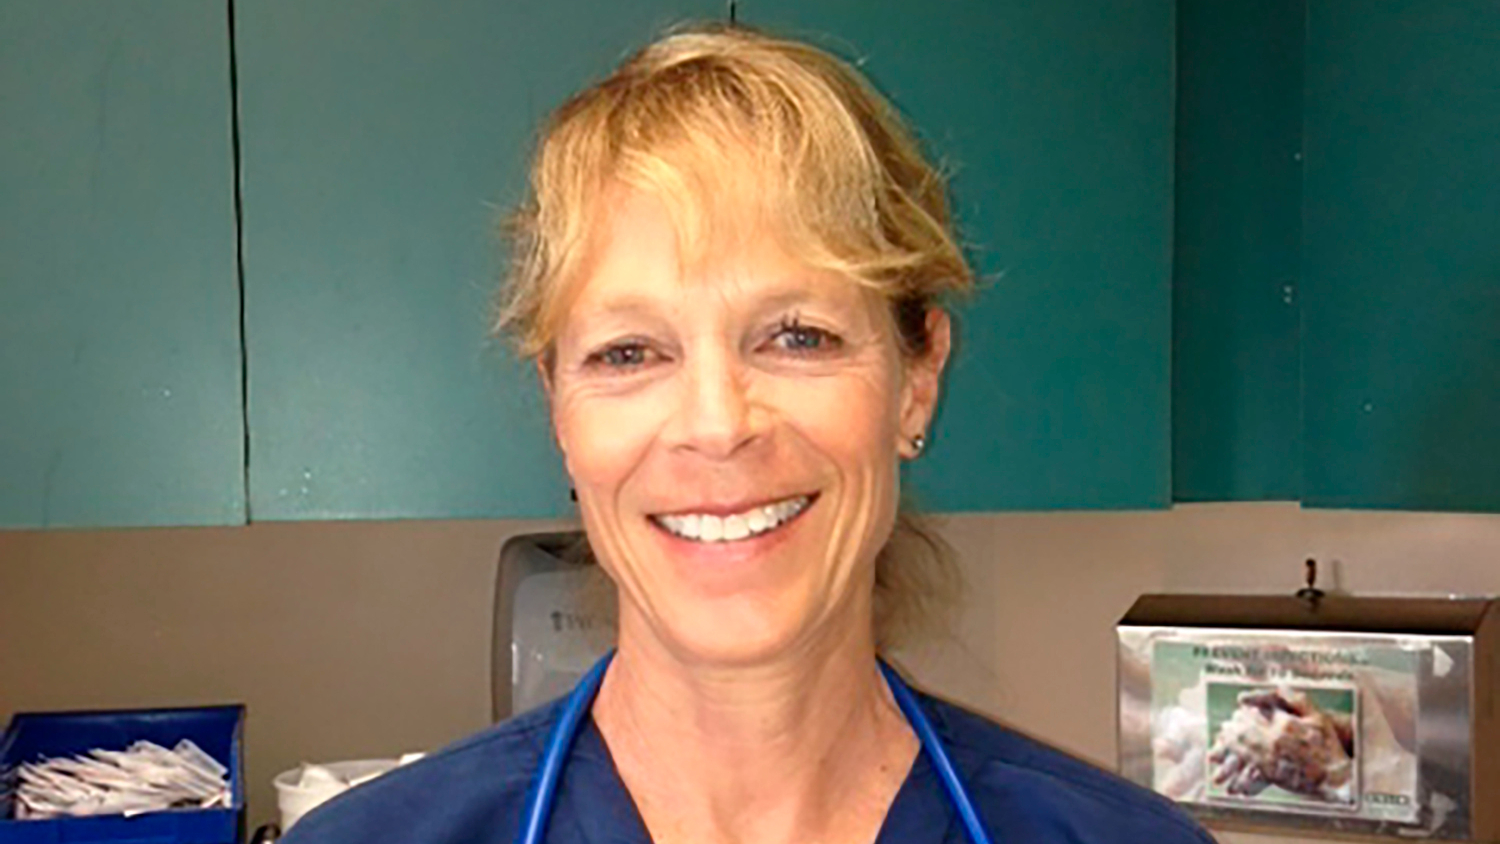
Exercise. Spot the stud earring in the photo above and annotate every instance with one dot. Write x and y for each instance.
(918, 443)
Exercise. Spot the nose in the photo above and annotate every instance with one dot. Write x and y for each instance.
(714, 417)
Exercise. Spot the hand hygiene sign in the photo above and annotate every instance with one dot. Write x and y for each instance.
(1273, 725)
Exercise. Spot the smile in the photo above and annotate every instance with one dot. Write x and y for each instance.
(706, 527)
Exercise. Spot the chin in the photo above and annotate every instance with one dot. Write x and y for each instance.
(732, 633)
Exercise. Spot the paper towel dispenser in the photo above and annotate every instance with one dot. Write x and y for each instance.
(554, 616)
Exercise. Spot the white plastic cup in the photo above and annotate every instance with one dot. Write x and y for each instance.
(294, 800)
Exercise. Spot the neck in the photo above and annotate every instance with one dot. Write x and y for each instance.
(808, 746)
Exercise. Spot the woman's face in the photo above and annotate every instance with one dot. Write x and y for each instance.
(733, 432)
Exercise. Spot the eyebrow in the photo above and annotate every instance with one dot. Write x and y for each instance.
(792, 296)
(785, 293)
(627, 305)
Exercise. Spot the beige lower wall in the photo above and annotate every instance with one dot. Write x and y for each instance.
(355, 640)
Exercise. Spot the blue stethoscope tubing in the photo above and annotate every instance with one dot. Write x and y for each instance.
(543, 790)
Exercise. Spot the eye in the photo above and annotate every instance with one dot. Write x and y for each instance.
(794, 337)
(623, 355)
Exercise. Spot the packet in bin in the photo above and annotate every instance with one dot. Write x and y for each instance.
(145, 777)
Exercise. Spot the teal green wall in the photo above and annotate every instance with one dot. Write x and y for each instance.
(1262, 328)
(1055, 119)
(1401, 255)
(380, 142)
(1337, 335)
(1236, 284)
(380, 139)
(119, 349)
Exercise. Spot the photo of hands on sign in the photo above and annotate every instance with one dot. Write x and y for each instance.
(1300, 743)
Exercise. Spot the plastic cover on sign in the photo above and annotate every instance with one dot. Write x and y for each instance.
(31, 737)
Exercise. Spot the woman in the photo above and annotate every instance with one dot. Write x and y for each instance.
(728, 274)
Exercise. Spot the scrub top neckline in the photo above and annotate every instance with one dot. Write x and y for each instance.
(920, 813)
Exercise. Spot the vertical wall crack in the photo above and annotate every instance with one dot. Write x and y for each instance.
(239, 254)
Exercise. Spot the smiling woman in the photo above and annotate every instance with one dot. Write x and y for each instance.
(740, 149)
(730, 274)
(700, 395)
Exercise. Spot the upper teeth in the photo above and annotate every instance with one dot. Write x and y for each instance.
(705, 527)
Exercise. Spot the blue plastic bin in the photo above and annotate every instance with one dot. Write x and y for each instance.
(38, 735)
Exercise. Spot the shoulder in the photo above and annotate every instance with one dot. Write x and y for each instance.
(1039, 792)
(460, 794)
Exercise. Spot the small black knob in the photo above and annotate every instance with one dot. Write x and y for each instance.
(1311, 593)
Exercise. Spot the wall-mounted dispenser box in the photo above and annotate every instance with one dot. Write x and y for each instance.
(1350, 716)
(554, 617)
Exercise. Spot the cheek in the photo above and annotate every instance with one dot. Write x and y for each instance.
(852, 419)
(603, 438)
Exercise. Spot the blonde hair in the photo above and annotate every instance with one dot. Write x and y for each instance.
(721, 122)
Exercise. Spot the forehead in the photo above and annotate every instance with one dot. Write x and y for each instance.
(642, 253)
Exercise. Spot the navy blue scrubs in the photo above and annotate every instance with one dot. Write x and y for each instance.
(475, 791)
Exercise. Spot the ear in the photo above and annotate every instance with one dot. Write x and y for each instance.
(923, 381)
(544, 375)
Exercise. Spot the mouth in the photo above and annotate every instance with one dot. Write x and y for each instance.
(710, 528)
